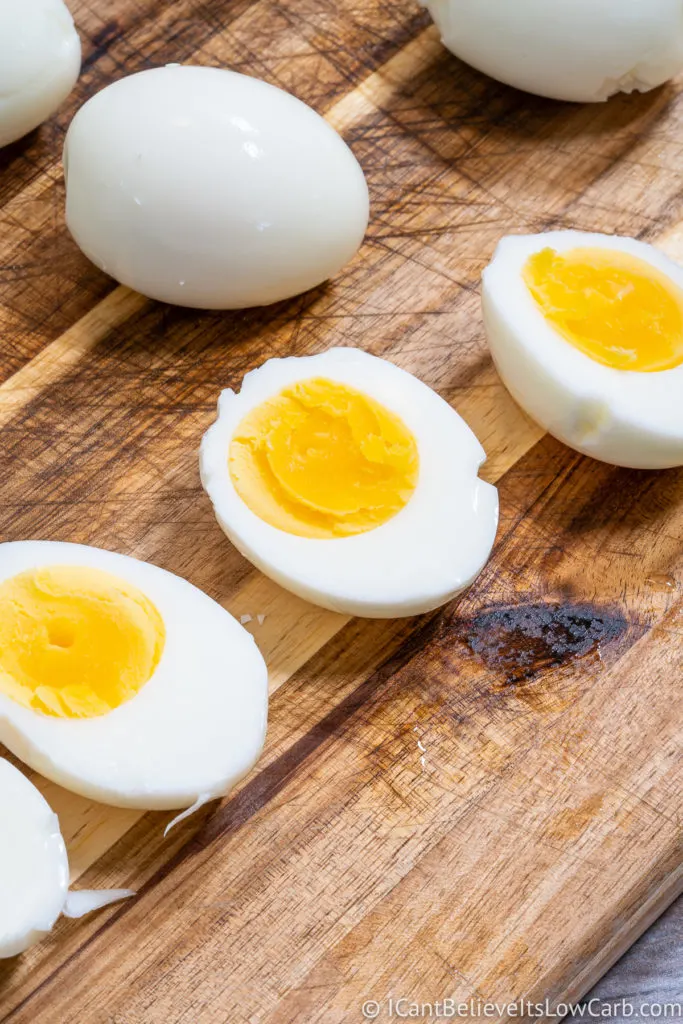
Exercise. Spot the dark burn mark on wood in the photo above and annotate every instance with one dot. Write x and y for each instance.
(523, 641)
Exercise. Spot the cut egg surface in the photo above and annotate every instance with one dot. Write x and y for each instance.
(351, 483)
(123, 682)
(207, 188)
(586, 331)
(34, 868)
(579, 50)
(40, 59)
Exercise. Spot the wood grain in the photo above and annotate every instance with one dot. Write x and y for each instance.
(483, 802)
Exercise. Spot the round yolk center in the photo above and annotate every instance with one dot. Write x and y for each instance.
(614, 307)
(76, 642)
(323, 460)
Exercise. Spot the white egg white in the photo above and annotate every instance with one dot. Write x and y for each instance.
(418, 560)
(581, 50)
(207, 188)
(189, 735)
(34, 868)
(40, 59)
(624, 417)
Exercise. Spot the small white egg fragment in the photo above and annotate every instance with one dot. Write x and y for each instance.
(123, 682)
(206, 188)
(581, 50)
(586, 331)
(34, 869)
(351, 483)
(40, 59)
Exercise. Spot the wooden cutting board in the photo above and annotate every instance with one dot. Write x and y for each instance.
(482, 803)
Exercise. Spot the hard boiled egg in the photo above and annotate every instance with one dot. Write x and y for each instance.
(586, 331)
(34, 869)
(123, 682)
(206, 188)
(351, 483)
(40, 58)
(581, 50)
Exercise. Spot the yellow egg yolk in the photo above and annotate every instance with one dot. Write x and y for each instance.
(76, 642)
(323, 460)
(614, 307)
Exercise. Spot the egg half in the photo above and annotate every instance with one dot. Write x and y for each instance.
(581, 50)
(586, 331)
(351, 483)
(123, 682)
(206, 188)
(34, 869)
(40, 58)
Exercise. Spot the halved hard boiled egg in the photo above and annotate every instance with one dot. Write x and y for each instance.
(34, 869)
(40, 58)
(351, 483)
(123, 682)
(586, 331)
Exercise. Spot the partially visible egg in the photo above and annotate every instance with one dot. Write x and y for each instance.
(34, 869)
(206, 188)
(586, 331)
(581, 50)
(123, 682)
(350, 482)
(40, 59)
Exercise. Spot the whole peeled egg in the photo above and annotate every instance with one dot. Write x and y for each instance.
(40, 59)
(586, 331)
(581, 50)
(351, 483)
(34, 868)
(207, 188)
(123, 682)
